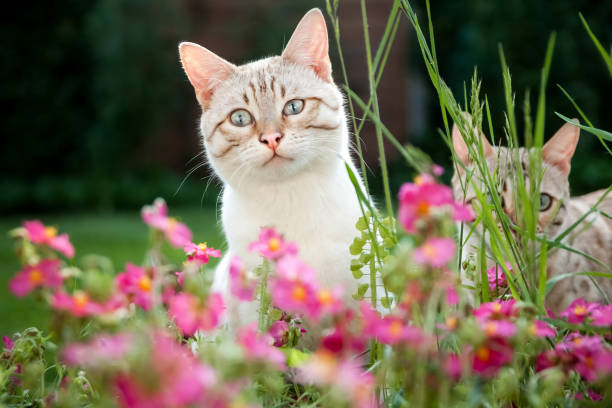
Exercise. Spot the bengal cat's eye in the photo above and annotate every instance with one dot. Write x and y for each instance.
(545, 201)
(241, 117)
(293, 107)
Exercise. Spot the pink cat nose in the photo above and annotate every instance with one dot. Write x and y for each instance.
(272, 140)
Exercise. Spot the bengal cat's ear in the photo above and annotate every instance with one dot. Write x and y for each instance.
(204, 69)
(308, 45)
(460, 146)
(559, 150)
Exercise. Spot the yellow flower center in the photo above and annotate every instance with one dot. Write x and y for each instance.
(81, 299)
(496, 307)
(533, 329)
(202, 246)
(589, 362)
(580, 310)
(299, 293)
(172, 223)
(35, 277)
(491, 328)
(418, 180)
(430, 250)
(325, 296)
(451, 322)
(577, 341)
(144, 283)
(50, 232)
(483, 353)
(395, 328)
(274, 244)
(422, 209)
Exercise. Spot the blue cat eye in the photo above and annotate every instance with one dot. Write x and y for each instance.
(545, 201)
(241, 117)
(293, 107)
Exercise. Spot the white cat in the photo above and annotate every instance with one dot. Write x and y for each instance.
(275, 132)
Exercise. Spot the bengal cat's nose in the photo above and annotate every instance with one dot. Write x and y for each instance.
(272, 140)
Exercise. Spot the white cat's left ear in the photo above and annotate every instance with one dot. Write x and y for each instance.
(308, 45)
(559, 150)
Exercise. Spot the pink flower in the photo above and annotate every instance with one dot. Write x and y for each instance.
(81, 305)
(200, 253)
(39, 234)
(271, 245)
(343, 374)
(278, 331)
(497, 277)
(8, 343)
(156, 216)
(452, 366)
(541, 329)
(137, 284)
(389, 329)
(46, 273)
(294, 288)
(497, 310)
(182, 380)
(102, 349)
(435, 252)
(259, 347)
(191, 314)
(498, 328)
(419, 198)
(437, 170)
(491, 356)
(242, 281)
(578, 311)
(602, 316)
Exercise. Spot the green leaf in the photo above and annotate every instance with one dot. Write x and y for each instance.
(362, 224)
(386, 302)
(275, 315)
(365, 257)
(356, 246)
(295, 357)
(594, 131)
(356, 265)
(357, 274)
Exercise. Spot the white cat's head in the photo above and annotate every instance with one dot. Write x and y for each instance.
(273, 118)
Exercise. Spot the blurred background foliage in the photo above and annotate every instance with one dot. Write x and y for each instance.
(98, 115)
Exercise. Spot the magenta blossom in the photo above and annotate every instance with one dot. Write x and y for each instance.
(452, 366)
(496, 310)
(418, 199)
(200, 253)
(602, 316)
(578, 311)
(278, 330)
(541, 329)
(38, 233)
(137, 284)
(102, 349)
(294, 288)
(8, 343)
(497, 277)
(389, 329)
(491, 356)
(156, 216)
(191, 314)
(271, 245)
(242, 281)
(183, 380)
(46, 274)
(259, 347)
(80, 304)
(343, 374)
(435, 252)
(498, 328)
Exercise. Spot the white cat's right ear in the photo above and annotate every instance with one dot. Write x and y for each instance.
(204, 69)
(309, 46)
(559, 150)
(461, 148)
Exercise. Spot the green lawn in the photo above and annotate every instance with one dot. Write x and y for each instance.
(120, 236)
